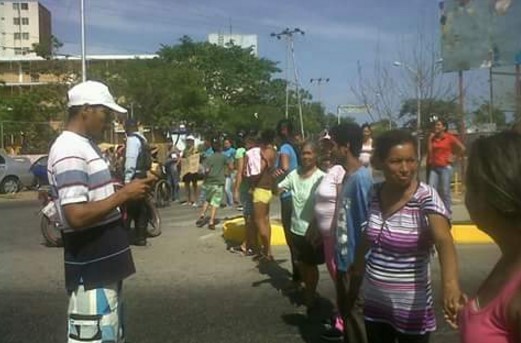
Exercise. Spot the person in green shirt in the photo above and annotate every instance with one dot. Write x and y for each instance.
(302, 184)
(216, 166)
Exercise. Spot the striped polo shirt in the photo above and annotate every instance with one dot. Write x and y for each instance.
(98, 254)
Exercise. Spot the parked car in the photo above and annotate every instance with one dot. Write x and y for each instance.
(15, 173)
(39, 170)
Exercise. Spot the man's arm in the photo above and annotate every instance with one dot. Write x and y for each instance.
(81, 215)
(131, 156)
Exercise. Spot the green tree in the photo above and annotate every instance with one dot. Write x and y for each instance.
(484, 115)
(47, 49)
(448, 110)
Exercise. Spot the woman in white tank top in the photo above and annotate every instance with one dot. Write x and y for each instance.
(367, 147)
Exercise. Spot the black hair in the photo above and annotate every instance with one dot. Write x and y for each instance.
(495, 169)
(367, 125)
(216, 144)
(348, 133)
(388, 140)
(443, 122)
(267, 136)
(287, 124)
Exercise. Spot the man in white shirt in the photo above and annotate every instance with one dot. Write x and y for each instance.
(96, 249)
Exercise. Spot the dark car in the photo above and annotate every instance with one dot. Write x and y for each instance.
(39, 170)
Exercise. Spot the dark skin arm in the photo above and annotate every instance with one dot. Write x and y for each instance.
(453, 299)
(89, 213)
(238, 179)
(284, 166)
(357, 271)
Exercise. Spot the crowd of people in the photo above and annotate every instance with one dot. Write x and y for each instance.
(376, 239)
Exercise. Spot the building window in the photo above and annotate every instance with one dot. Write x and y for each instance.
(17, 36)
(35, 77)
(16, 21)
(17, 51)
(25, 6)
(25, 21)
(25, 36)
(25, 51)
(16, 6)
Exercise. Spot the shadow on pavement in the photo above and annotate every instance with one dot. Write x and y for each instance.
(309, 323)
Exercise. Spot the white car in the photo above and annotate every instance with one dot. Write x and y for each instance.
(15, 173)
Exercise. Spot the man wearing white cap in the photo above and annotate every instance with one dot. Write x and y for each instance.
(96, 248)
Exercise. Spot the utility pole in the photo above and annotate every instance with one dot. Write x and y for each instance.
(288, 35)
(319, 82)
(83, 48)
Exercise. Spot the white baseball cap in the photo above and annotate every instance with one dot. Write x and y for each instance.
(190, 138)
(93, 93)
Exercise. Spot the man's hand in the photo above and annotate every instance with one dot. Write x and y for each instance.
(138, 189)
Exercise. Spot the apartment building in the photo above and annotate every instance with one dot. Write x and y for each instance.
(23, 24)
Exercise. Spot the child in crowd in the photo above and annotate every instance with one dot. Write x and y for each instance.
(215, 165)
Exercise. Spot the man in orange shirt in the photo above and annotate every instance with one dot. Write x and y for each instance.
(441, 148)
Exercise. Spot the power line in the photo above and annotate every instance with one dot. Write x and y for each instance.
(288, 36)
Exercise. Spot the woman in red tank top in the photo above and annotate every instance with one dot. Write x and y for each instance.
(441, 148)
(494, 202)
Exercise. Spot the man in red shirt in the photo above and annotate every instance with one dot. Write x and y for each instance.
(441, 148)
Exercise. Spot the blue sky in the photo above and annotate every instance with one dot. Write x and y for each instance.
(338, 32)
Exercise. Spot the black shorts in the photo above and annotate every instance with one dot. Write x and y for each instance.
(191, 177)
(305, 252)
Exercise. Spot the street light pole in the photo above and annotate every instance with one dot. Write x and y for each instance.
(288, 35)
(83, 44)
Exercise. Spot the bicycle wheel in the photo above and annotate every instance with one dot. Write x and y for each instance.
(162, 194)
(51, 233)
(154, 220)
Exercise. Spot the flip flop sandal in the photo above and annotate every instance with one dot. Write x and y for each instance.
(201, 221)
(237, 250)
(211, 227)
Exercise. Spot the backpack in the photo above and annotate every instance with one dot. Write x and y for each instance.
(144, 160)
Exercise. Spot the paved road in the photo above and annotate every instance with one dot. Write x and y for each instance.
(188, 287)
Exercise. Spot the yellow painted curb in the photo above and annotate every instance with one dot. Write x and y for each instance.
(469, 234)
(234, 231)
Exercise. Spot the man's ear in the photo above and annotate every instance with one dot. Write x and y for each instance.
(85, 111)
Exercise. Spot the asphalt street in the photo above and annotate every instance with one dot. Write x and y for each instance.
(188, 287)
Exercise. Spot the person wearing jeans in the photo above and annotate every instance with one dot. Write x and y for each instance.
(441, 146)
(229, 151)
(287, 161)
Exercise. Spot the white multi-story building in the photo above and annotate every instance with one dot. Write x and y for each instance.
(23, 23)
(244, 41)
